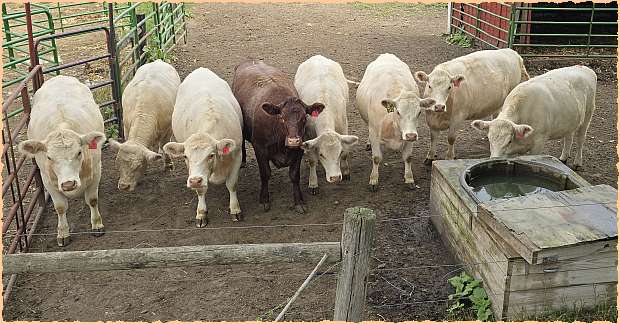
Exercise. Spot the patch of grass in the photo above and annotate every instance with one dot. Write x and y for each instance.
(391, 8)
(470, 300)
(461, 39)
(603, 311)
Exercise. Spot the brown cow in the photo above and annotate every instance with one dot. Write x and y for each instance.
(274, 120)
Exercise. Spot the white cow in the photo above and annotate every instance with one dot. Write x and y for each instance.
(65, 135)
(320, 79)
(388, 101)
(468, 87)
(207, 119)
(556, 105)
(148, 101)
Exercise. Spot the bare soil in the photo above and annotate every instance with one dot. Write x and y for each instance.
(161, 211)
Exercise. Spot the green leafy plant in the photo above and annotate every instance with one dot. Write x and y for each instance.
(469, 299)
(459, 38)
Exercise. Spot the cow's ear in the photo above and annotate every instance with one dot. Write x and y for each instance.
(348, 141)
(31, 147)
(225, 146)
(271, 108)
(481, 125)
(315, 109)
(152, 156)
(389, 104)
(427, 103)
(114, 145)
(522, 131)
(421, 76)
(457, 80)
(174, 149)
(94, 140)
(309, 145)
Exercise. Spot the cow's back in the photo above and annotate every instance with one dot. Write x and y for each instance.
(320, 79)
(64, 101)
(551, 100)
(384, 78)
(205, 103)
(152, 91)
(490, 75)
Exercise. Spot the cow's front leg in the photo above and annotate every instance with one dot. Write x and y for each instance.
(293, 173)
(377, 157)
(231, 185)
(407, 158)
(313, 182)
(568, 143)
(201, 209)
(60, 205)
(345, 167)
(450, 155)
(432, 151)
(91, 195)
(265, 173)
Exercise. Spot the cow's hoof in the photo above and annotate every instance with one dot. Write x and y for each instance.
(368, 147)
(98, 232)
(412, 186)
(63, 241)
(200, 223)
(373, 188)
(346, 177)
(236, 217)
(300, 209)
(577, 167)
(428, 161)
(314, 191)
(266, 206)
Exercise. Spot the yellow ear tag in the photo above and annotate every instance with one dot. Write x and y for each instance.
(390, 109)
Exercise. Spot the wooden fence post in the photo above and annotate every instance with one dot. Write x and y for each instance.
(357, 237)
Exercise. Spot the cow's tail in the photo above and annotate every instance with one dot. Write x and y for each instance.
(352, 82)
(524, 75)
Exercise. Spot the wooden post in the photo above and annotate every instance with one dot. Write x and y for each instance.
(357, 237)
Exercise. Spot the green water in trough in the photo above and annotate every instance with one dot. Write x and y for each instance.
(503, 187)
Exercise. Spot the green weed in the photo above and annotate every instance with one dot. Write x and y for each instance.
(470, 299)
(459, 38)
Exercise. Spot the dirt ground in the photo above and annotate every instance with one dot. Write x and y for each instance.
(161, 211)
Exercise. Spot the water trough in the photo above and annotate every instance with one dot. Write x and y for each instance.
(539, 235)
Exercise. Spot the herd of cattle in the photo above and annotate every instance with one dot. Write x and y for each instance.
(283, 119)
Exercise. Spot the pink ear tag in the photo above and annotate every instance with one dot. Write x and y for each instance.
(225, 150)
(92, 144)
(315, 113)
(520, 135)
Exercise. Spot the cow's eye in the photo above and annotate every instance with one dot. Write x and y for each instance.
(79, 153)
(211, 155)
(449, 87)
(321, 155)
(49, 158)
(185, 156)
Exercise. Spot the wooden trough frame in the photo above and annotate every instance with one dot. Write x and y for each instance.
(353, 252)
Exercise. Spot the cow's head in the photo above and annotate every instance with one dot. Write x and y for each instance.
(408, 107)
(64, 151)
(132, 160)
(506, 139)
(439, 86)
(291, 114)
(329, 147)
(201, 151)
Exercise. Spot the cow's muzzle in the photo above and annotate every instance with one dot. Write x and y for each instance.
(69, 185)
(439, 108)
(410, 137)
(195, 182)
(293, 142)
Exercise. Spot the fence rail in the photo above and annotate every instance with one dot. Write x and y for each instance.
(535, 30)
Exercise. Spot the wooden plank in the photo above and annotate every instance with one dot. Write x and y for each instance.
(182, 256)
(602, 260)
(533, 301)
(553, 220)
(357, 237)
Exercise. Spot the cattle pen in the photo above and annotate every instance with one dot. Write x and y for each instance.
(249, 270)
